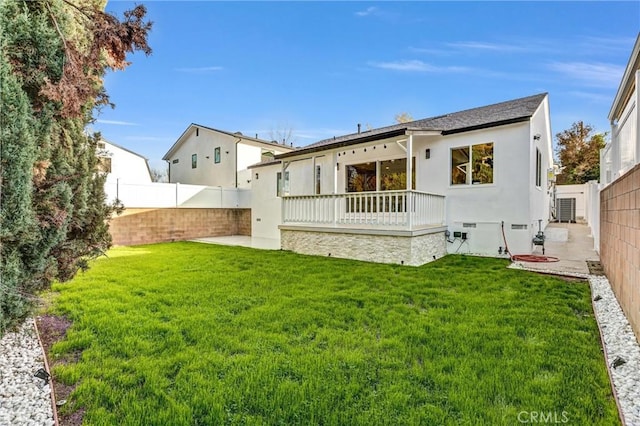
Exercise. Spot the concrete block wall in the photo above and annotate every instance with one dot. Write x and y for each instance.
(414, 251)
(620, 242)
(147, 226)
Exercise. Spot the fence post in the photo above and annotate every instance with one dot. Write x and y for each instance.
(177, 184)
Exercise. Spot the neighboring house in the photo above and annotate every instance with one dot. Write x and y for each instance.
(619, 219)
(623, 152)
(206, 156)
(121, 164)
(412, 192)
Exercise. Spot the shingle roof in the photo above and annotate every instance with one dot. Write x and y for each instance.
(463, 121)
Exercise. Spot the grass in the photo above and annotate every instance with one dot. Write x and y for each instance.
(192, 334)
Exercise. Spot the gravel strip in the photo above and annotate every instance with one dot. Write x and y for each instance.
(24, 398)
(620, 344)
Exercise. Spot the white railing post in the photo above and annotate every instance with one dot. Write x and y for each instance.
(406, 209)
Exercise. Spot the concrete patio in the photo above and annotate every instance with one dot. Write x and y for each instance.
(572, 243)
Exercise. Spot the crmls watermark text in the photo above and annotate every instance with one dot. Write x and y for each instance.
(548, 417)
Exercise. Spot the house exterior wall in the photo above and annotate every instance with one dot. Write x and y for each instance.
(148, 226)
(126, 166)
(479, 210)
(207, 171)
(541, 197)
(620, 242)
(265, 205)
(483, 208)
(204, 142)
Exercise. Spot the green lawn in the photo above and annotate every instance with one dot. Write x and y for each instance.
(192, 334)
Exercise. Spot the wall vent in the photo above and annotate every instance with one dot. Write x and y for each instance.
(468, 225)
(518, 226)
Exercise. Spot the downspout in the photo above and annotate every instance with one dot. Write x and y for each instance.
(235, 159)
(169, 172)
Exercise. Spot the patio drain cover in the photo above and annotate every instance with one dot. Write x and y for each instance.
(595, 267)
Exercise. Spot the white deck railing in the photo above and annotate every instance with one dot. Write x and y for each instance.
(384, 210)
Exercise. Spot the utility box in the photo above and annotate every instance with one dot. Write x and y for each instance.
(566, 210)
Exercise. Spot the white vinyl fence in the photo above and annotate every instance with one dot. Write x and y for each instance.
(166, 195)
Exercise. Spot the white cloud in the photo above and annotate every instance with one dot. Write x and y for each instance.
(148, 138)
(415, 65)
(593, 97)
(200, 70)
(429, 51)
(368, 11)
(596, 74)
(116, 122)
(614, 45)
(484, 46)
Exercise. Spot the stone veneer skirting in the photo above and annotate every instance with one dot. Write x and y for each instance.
(620, 242)
(147, 226)
(406, 248)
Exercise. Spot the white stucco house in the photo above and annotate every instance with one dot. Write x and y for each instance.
(623, 152)
(122, 164)
(124, 169)
(207, 156)
(412, 192)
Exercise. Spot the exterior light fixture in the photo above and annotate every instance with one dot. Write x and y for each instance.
(256, 176)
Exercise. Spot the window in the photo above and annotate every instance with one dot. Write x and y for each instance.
(538, 168)
(216, 155)
(472, 165)
(361, 177)
(102, 145)
(391, 174)
(318, 179)
(194, 161)
(282, 188)
(104, 164)
(176, 161)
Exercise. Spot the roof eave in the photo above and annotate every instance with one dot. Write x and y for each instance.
(488, 125)
(625, 84)
(362, 139)
(265, 164)
(177, 143)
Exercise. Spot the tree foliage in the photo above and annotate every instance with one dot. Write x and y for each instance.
(403, 117)
(52, 202)
(579, 153)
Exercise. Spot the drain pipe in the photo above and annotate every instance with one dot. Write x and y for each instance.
(235, 160)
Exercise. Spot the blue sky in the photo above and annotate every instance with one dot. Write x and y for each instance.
(319, 68)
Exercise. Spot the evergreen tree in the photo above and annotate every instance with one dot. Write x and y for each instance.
(52, 205)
